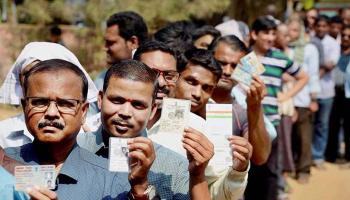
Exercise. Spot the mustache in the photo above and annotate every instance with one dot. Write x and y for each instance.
(163, 90)
(121, 121)
(56, 124)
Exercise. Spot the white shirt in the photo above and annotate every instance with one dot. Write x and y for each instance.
(311, 67)
(223, 183)
(331, 50)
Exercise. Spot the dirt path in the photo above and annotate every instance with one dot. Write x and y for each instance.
(330, 184)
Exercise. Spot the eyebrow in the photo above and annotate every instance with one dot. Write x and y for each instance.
(111, 96)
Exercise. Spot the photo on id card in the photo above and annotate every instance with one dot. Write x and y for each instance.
(118, 155)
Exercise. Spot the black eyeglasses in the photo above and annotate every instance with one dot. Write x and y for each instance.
(169, 76)
(41, 104)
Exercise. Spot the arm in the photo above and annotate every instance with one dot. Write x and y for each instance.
(312, 62)
(257, 134)
(301, 80)
(199, 151)
(142, 155)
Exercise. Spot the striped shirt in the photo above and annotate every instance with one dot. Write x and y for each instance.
(276, 63)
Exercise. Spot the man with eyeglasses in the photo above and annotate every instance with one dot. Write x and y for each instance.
(55, 106)
(161, 58)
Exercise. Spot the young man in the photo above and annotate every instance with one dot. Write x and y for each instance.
(55, 106)
(276, 63)
(228, 184)
(124, 34)
(228, 50)
(127, 103)
(335, 28)
(331, 51)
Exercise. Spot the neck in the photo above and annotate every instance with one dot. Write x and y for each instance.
(201, 112)
(156, 117)
(258, 51)
(221, 95)
(53, 153)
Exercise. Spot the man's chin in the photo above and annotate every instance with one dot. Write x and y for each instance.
(225, 85)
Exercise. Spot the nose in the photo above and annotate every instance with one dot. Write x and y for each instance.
(52, 111)
(161, 81)
(125, 110)
(227, 70)
(196, 92)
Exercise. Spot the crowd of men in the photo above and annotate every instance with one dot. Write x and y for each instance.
(289, 118)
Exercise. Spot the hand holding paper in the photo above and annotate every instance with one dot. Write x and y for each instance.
(199, 151)
(241, 152)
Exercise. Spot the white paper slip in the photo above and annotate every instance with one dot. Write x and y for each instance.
(28, 176)
(218, 128)
(174, 117)
(118, 155)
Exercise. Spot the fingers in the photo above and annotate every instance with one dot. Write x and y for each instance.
(41, 193)
(197, 140)
(198, 145)
(241, 146)
(142, 144)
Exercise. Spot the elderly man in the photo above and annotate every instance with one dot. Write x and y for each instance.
(55, 106)
(13, 130)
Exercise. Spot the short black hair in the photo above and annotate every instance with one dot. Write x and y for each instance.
(234, 42)
(336, 20)
(264, 23)
(205, 30)
(153, 45)
(132, 70)
(56, 65)
(322, 18)
(129, 24)
(177, 35)
(204, 58)
(55, 30)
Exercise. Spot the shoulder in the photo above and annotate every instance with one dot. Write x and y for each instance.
(93, 161)
(22, 153)
(90, 141)
(277, 54)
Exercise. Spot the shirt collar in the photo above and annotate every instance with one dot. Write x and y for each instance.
(72, 164)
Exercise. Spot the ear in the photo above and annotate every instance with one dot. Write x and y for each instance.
(85, 109)
(153, 111)
(99, 99)
(254, 35)
(133, 42)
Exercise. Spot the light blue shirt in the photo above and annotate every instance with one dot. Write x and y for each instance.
(82, 176)
(7, 187)
(169, 171)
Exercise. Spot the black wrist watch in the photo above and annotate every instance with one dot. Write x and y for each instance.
(149, 194)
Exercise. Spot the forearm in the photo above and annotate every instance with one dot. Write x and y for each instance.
(300, 83)
(199, 188)
(258, 136)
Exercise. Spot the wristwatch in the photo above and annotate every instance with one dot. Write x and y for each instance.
(149, 194)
